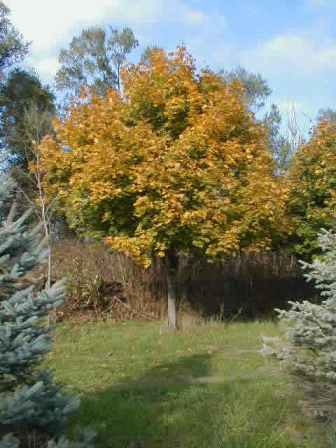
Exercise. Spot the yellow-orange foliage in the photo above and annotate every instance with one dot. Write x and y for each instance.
(312, 198)
(175, 162)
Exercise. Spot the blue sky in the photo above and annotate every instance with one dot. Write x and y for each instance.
(292, 43)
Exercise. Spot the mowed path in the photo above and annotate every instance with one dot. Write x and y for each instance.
(207, 386)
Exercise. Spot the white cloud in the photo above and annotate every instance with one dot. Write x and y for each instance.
(50, 24)
(46, 67)
(292, 54)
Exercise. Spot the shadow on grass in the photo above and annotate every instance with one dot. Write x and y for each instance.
(150, 411)
(173, 405)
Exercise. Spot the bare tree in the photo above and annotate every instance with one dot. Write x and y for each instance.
(37, 125)
(294, 130)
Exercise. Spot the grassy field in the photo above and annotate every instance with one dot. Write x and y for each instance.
(204, 387)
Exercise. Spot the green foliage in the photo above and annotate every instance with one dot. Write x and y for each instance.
(21, 96)
(256, 87)
(21, 249)
(12, 46)
(280, 146)
(326, 115)
(257, 92)
(7, 193)
(85, 440)
(94, 59)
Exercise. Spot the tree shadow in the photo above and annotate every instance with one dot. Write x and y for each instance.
(150, 411)
(179, 404)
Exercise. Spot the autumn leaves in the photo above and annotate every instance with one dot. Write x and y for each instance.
(176, 162)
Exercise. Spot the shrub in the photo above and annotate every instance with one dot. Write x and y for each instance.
(106, 284)
(103, 284)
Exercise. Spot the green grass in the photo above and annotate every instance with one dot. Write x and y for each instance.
(206, 387)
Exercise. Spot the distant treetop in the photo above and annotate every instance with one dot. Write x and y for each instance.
(94, 59)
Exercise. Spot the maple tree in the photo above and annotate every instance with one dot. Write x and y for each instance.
(175, 163)
(312, 179)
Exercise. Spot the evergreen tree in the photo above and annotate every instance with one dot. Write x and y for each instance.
(22, 94)
(309, 350)
(312, 330)
(33, 409)
(12, 46)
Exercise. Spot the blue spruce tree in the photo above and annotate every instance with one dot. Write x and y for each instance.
(33, 409)
(309, 348)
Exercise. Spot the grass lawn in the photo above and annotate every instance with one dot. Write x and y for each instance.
(204, 387)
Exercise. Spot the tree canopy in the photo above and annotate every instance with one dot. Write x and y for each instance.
(12, 46)
(326, 115)
(20, 96)
(176, 163)
(257, 94)
(256, 87)
(312, 202)
(94, 59)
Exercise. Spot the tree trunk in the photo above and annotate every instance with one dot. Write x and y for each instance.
(171, 295)
(172, 266)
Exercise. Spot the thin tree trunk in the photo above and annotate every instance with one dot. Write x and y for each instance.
(46, 224)
(44, 217)
(118, 79)
(172, 269)
(49, 268)
(171, 295)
